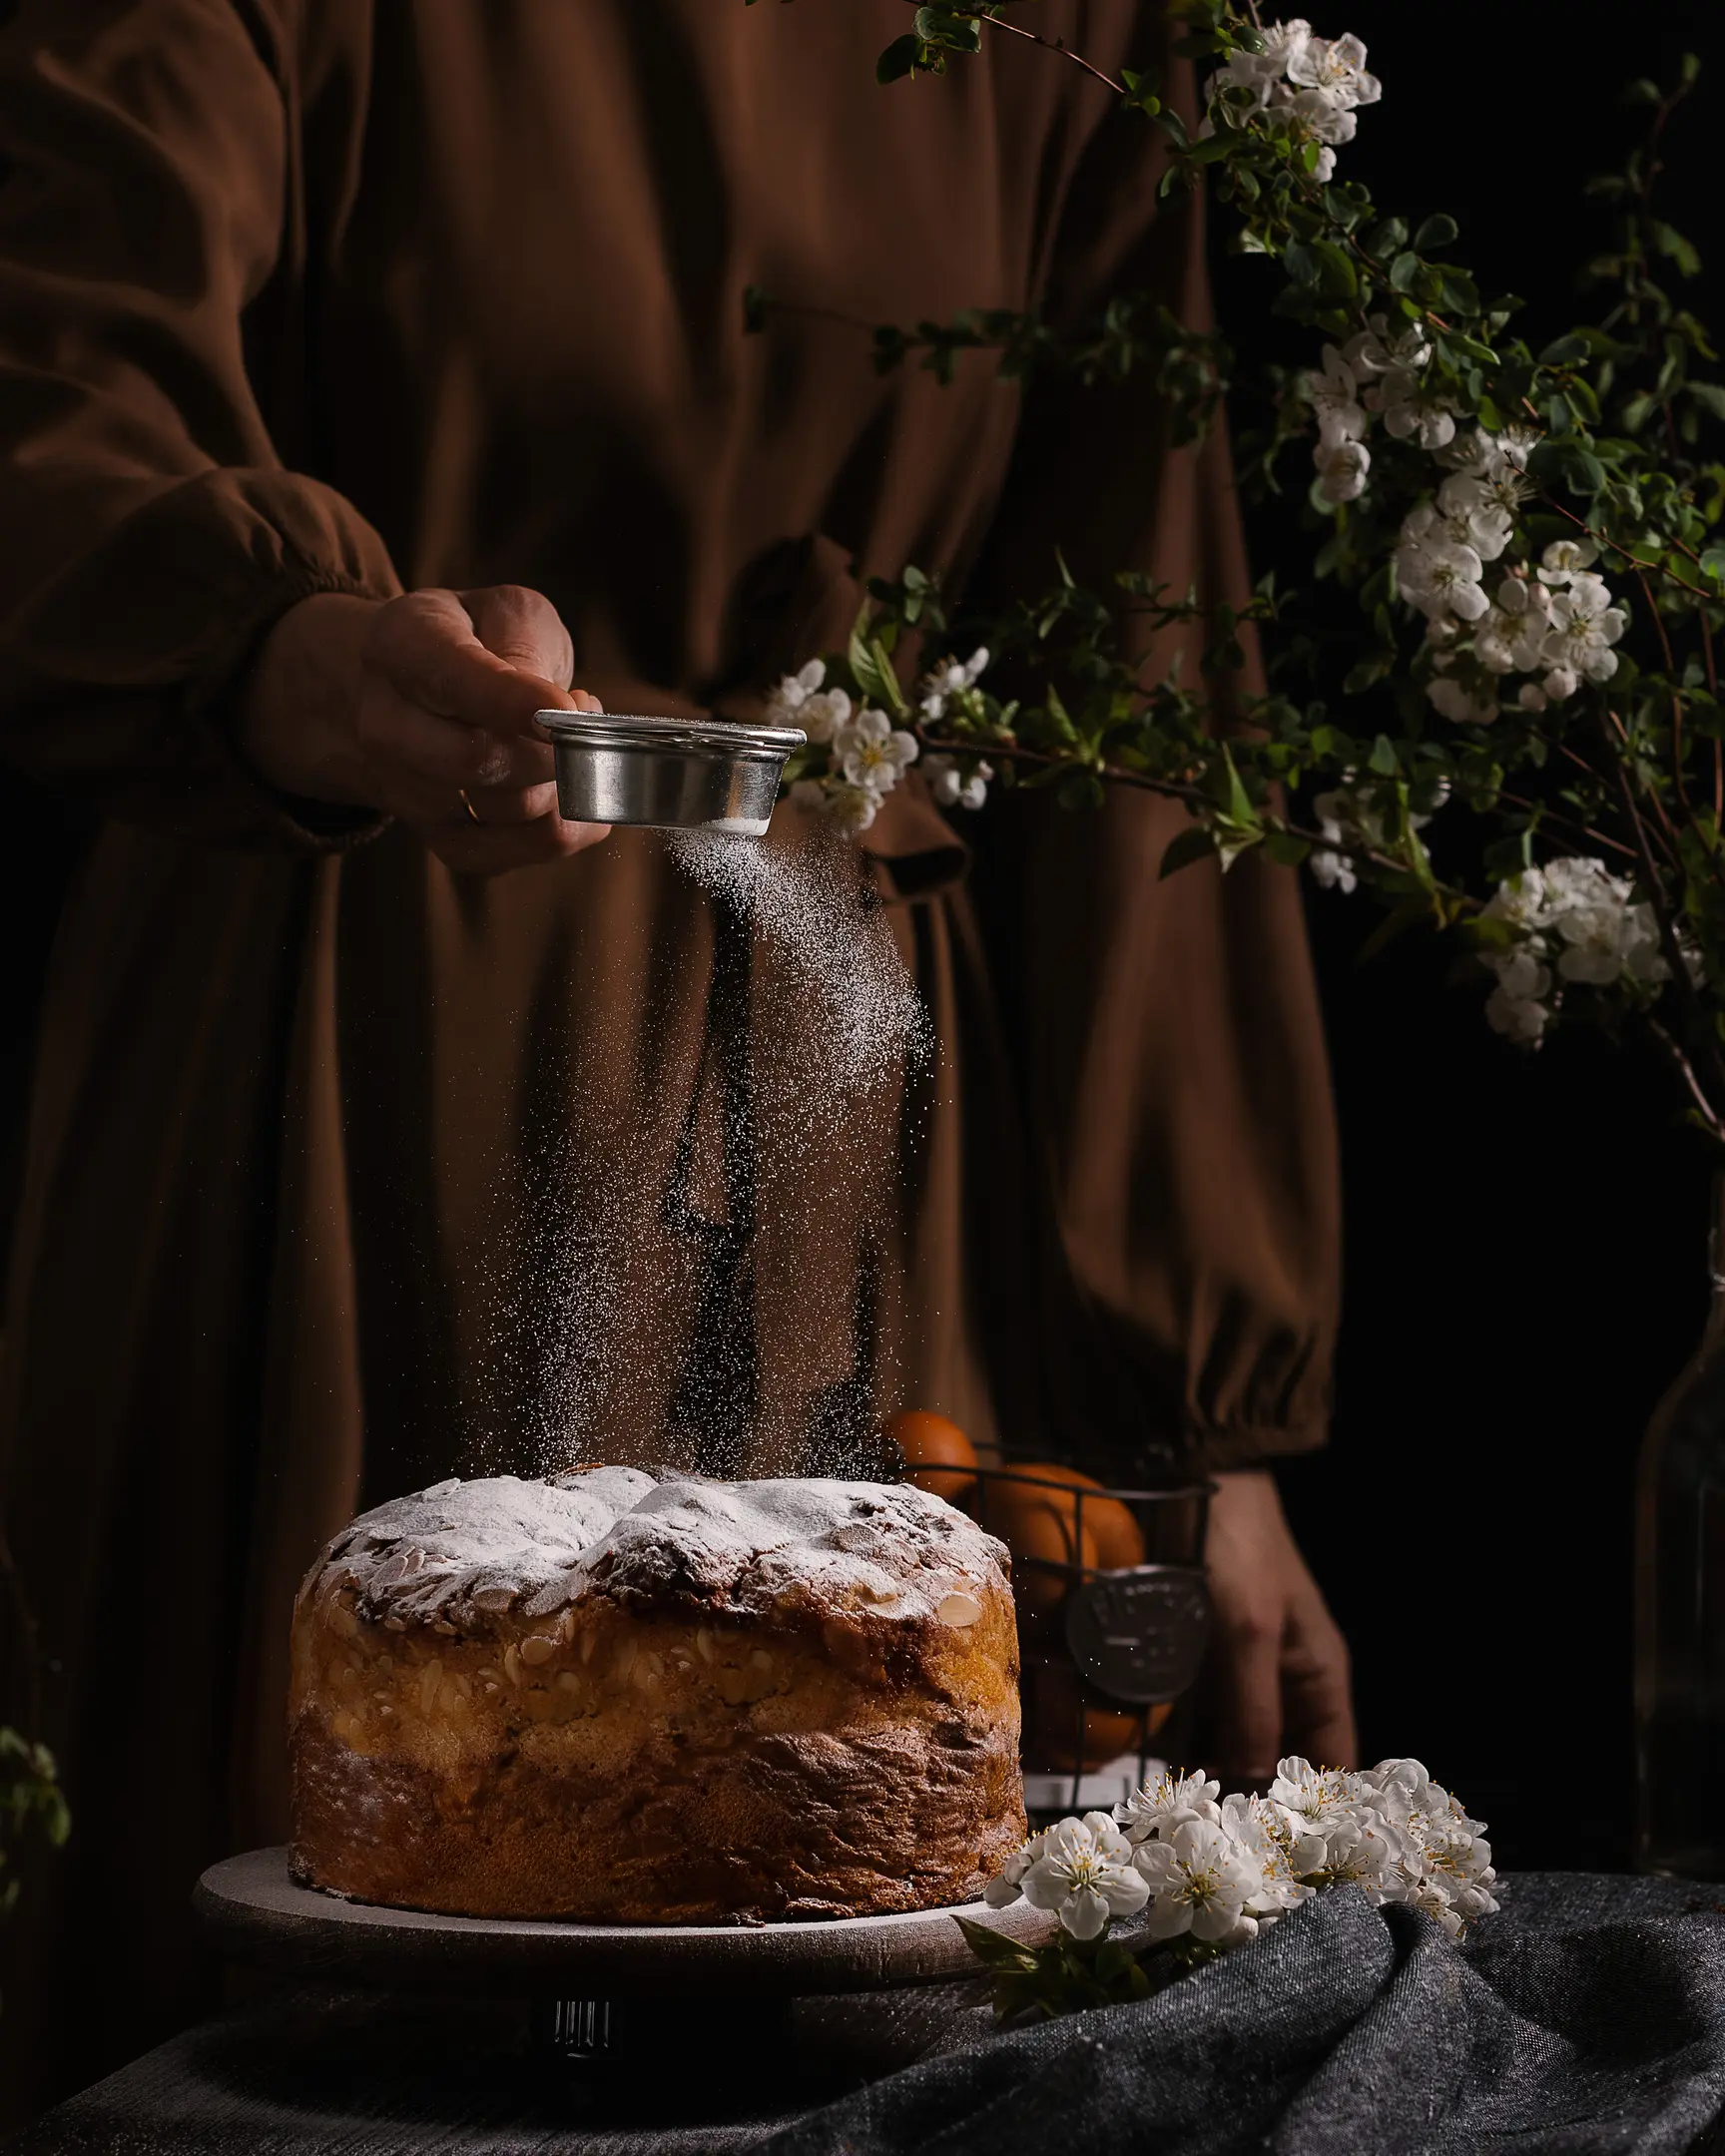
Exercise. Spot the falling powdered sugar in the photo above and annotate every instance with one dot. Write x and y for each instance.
(804, 905)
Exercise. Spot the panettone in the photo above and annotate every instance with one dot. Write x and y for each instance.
(608, 1697)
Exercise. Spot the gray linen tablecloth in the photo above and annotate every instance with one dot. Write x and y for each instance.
(1588, 2016)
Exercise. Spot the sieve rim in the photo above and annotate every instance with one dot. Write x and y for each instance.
(701, 737)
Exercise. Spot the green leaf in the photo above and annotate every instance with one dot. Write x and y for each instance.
(995, 1947)
(900, 59)
(1403, 270)
(1337, 276)
(1383, 760)
(1080, 790)
(1564, 350)
(1239, 807)
(872, 669)
(1436, 232)
(1194, 844)
(1302, 265)
(1459, 292)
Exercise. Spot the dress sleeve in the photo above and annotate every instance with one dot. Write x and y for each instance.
(1167, 1034)
(149, 534)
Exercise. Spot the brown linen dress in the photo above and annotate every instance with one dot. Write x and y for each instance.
(302, 296)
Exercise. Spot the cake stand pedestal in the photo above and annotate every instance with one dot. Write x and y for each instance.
(608, 2000)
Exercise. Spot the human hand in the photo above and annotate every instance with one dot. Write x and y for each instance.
(422, 707)
(1277, 1678)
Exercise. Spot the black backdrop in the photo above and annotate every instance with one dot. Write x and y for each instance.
(1526, 1233)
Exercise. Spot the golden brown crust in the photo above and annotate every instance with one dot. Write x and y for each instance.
(630, 1758)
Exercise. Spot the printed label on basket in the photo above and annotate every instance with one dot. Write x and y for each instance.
(1140, 1635)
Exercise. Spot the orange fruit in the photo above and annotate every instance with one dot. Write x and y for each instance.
(1033, 1510)
(938, 1456)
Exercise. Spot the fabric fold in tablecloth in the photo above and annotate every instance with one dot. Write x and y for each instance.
(1588, 2015)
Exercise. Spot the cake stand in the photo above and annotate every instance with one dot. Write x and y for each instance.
(602, 1993)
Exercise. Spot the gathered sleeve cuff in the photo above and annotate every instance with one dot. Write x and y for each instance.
(150, 537)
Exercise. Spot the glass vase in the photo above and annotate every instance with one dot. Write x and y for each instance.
(1680, 1608)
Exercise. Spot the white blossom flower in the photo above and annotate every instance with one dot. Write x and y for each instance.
(1567, 558)
(1520, 901)
(1168, 1802)
(1325, 119)
(1511, 637)
(950, 679)
(1342, 468)
(1334, 395)
(952, 788)
(1361, 1851)
(1336, 67)
(1473, 515)
(1323, 165)
(1584, 626)
(1283, 1852)
(1084, 1872)
(1008, 1884)
(1531, 697)
(1262, 72)
(1318, 1797)
(1523, 1019)
(1490, 456)
(1200, 1878)
(1409, 409)
(822, 714)
(1445, 1861)
(1440, 577)
(784, 703)
(1561, 684)
(1332, 869)
(1376, 350)
(872, 752)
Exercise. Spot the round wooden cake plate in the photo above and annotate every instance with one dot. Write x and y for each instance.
(256, 1912)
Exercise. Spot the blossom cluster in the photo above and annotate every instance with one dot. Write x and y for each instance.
(1555, 622)
(1311, 85)
(860, 755)
(1214, 1870)
(1573, 921)
(865, 754)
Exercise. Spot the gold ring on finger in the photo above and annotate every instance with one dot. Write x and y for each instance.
(473, 816)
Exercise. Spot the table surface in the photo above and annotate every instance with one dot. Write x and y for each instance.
(350, 2074)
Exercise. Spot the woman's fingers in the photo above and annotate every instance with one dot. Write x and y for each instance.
(1317, 1682)
(426, 645)
(451, 685)
(524, 628)
(396, 733)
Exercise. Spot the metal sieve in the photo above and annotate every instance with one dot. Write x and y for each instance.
(685, 772)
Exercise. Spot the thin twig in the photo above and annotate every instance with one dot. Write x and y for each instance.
(1668, 943)
(1193, 796)
(1685, 1070)
(1676, 699)
(1055, 45)
(1569, 823)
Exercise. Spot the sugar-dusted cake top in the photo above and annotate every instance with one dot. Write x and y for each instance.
(466, 1552)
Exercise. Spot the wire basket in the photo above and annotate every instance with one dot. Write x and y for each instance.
(1113, 1617)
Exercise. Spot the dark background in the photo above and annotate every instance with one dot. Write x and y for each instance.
(1526, 1233)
